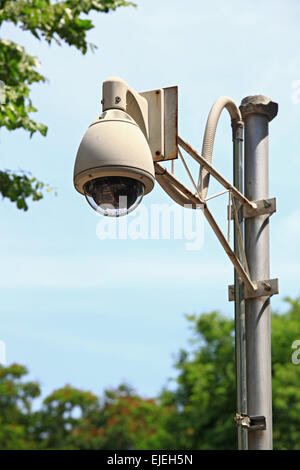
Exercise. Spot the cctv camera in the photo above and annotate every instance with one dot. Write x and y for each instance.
(114, 166)
(114, 195)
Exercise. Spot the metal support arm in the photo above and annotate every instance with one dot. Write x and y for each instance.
(243, 200)
(166, 177)
(185, 197)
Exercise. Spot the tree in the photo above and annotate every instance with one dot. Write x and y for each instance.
(63, 412)
(286, 377)
(60, 22)
(198, 413)
(204, 399)
(123, 421)
(17, 421)
(75, 419)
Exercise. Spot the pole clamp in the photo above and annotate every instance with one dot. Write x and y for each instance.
(265, 288)
(262, 207)
(252, 423)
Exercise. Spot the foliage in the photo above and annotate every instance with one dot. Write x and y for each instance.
(204, 400)
(46, 20)
(19, 187)
(286, 378)
(74, 419)
(197, 414)
(123, 421)
(16, 416)
(63, 412)
(18, 72)
(56, 20)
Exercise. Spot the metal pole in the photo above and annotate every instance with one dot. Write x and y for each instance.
(257, 111)
(239, 302)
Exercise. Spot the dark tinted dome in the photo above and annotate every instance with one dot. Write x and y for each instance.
(114, 195)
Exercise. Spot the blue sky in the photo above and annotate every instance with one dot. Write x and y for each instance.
(90, 312)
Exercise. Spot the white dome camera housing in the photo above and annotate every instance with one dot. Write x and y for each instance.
(114, 165)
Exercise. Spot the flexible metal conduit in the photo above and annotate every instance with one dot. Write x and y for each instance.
(209, 136)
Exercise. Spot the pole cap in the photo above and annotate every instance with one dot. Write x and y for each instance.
(259, 104)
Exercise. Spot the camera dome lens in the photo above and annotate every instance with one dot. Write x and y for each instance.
(114, 196)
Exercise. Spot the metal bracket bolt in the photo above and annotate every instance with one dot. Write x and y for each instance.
(252, 423)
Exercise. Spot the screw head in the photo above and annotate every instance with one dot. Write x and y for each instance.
(267, 286)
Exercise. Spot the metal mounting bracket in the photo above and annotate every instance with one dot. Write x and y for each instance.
(263, 206)
(162, 119)
(265, 288)
(252, 423)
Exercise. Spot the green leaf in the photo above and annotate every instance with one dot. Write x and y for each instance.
(19, 188)
(58, 21)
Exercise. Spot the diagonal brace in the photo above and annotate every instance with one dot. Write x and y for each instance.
(216, 174)
(196, 200)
